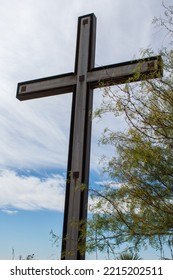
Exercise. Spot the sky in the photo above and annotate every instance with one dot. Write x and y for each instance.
(38, 39)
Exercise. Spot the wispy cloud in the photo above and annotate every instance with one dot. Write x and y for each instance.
(30, 193)
(9, 212)
(35, 133)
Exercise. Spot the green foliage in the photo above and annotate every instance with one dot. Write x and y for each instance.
(129, 256)
(138, 209)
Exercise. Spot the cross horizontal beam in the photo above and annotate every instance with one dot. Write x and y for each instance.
(97, 77)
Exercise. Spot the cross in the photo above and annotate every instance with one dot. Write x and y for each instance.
(81, 82)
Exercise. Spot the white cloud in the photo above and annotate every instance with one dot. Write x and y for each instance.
(30, 193)
(110, 184)
(9, 212)
(34, 134)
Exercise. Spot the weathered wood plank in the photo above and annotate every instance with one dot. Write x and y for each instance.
(46, 87)
(99, 76)
(120, 73)
(78, 185)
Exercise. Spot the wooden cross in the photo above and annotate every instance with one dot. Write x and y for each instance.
(81, 82)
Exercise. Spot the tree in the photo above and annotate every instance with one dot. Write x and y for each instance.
(136, 208)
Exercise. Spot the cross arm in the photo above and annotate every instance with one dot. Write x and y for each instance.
(133, 71)
(100, 76)
(53, 85)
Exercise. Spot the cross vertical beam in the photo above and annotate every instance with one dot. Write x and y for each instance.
(79, 151)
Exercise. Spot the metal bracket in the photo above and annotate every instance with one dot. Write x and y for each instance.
(85, 21)
(81, 78)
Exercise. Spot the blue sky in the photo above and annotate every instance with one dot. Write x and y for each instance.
(38, 39)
